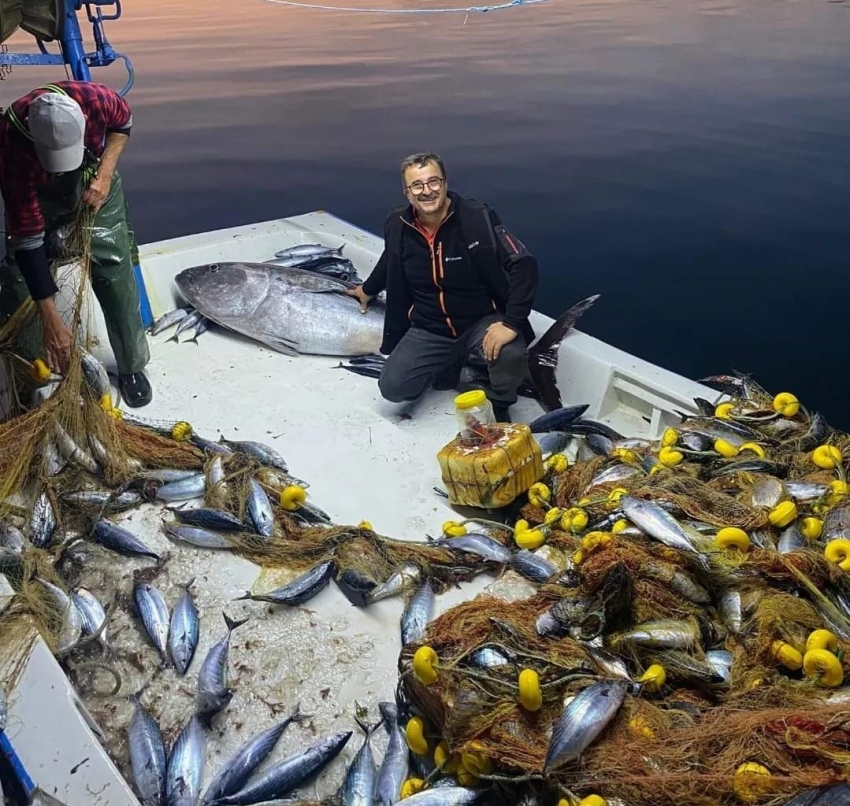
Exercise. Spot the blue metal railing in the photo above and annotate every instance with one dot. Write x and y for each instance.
(71, 46)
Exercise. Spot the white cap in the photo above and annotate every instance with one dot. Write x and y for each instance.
(58, 127)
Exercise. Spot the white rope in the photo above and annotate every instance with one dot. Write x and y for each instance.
(467, 10)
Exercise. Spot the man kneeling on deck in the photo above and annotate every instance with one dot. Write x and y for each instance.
(458, 285)
(59, 148)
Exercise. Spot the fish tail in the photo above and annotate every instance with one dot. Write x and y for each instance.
(248, 595)
(368, 729)
(231, 624)
(543, 354)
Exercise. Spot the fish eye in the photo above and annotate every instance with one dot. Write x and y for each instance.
(214, 268)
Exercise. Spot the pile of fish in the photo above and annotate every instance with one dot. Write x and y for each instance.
(658, 580)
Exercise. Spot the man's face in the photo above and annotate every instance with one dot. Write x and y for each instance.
(425, 188)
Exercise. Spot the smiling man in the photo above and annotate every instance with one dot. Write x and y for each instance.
(458, 284)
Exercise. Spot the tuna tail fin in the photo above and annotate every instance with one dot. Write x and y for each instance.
(543, 354)
(231, 624)
(367, 729)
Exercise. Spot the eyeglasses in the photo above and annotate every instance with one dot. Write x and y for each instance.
(418, 188)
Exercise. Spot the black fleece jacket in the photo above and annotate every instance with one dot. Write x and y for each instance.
(470, 268)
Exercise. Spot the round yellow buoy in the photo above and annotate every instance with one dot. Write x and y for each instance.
(423, 665)
(530, 695)
(786, 404)
(786, 655)
(751, 782)
(733, 538)
(823, 665)
(826, 456)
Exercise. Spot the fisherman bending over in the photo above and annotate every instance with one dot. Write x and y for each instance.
(59, 148)
(458, 284)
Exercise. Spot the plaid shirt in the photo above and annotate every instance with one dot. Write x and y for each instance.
(21, 172)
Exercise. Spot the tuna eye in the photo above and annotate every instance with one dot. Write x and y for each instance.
(214, 268)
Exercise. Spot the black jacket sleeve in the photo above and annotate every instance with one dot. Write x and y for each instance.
(35, 269)
(377, 280)
(520, 266)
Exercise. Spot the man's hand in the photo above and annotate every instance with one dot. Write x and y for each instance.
(496, 337)
(98, 190)
(56, 337)
(361, 296)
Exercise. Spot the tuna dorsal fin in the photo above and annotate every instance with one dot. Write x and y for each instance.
(543, 354)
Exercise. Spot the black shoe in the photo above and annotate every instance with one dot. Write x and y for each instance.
(135, 389)
(502, 412)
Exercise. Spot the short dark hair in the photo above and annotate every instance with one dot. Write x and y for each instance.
(421, 159)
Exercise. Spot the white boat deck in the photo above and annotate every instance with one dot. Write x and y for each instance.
(362, 459)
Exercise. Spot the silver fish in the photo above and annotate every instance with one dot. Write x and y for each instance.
(308, 251)
(805, 491)
(183, 631)
(721, 662)
(445, 796)
(395, 765)
(659, 634)
(202, 327)
(102, 500)
(153, 612)
(287, 775)
(11, 538)
(532, 566)
(358, 787)
(678, 581)
(731, 610)
(478, 544)
(213, 694)
(42, 525)
(600, 445)
(583, 719)
(767, 492)
(186, 765)
(53, 460)
(656, 522)
(207, 518)
(262, 453)
(284, 308)
(488, 657)
(236, 771)
(260, 509)
(836, 522)
(166, 474)
(73, 452)
(120, 540)
(195, 536)
(300, 589)
(72, 620)
(406, 577)
(184, 490)
(208, 446)
(92, 612)
(168, 320)
(147, 756)
(790, 540)
(609, 663)
(614, 473)
(552, 442)
(190, 320)
(95, 375)
(417, 613)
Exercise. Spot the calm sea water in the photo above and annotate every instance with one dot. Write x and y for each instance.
(690, 161)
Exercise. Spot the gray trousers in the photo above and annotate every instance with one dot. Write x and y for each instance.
(421, 357)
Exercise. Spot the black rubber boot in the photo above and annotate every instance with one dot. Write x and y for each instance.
(135, 389)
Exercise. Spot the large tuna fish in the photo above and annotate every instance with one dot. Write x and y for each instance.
(288, 309)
